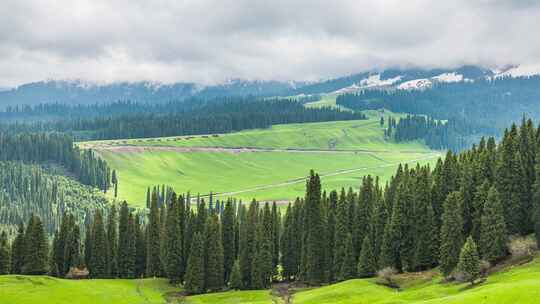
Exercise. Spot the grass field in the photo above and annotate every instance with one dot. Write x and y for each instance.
(519, 284)
(17, 289)
(266, 164)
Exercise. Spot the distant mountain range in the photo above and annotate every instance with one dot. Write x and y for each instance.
(81, 92)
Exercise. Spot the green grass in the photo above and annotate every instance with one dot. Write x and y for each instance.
(260, 175)
(518, 285)
(233, 297)
(17, 289)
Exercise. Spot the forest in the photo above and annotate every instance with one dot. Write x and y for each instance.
(457, 216)
(133, 120)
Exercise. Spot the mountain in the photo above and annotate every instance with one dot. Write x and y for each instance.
(81, 92)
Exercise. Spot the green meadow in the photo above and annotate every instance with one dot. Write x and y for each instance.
(272, 169)
(518, 284)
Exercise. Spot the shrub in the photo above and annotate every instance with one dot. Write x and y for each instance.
(386, 277)
(522, 247)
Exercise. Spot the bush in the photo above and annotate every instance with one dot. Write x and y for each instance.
(386, 277)
(522, 247)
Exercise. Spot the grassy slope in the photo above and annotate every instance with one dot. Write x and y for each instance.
(519, 285)
(201, 172)
(41, 289)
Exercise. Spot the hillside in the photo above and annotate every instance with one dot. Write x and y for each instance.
(268, 164)
(514, 285)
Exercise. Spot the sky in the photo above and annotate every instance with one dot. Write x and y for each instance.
(211, 41)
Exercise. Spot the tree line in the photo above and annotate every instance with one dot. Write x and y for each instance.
(56, 148)
(219, 115)
(452, 216)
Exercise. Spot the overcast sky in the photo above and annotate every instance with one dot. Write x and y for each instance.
(211, 41)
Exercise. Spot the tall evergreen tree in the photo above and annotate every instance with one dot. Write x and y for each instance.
(236, 277)
(194, 283)
(174, 241)
(153, 261)
(315, 242)
(451, 233)
(341, 232)
(112, 243)
(98, 260)
(348, 268)
(213, 263)
(36, 248)
(125, 263)
(367, 264)
(227, 225)
(493, 236)
(5, 262)
(18, 251)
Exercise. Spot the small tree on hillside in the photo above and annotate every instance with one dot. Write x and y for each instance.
(469, 263)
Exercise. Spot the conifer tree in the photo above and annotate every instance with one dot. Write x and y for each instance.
(391, 245)
(153, 252)
(236, 277)
(37, 248)
(18, 251)
(248, 229)
(112, 243)
(5, 262)
(194, 280)
(88, 245)
(469, 262)
(480, 197)
(72, 253)
(227, 225)
(341, 232)
(367, 265)
(451, 233)
(348, 268)
(536, 201)
(493, 236)
(425, 255)
(213, 262)
(140, 248)
(124, 239)
(315, 241)
(287, 256)
(98, 260)
(276, 233)
(174, 241)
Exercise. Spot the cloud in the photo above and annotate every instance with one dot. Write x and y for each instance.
(211, 41)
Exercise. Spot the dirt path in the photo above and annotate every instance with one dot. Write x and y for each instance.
(141, 149)
(303, 178)
(281, 291)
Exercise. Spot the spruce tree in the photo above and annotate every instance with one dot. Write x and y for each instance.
(227, 226)
(213, 255)
(37, 248)
(153, 252)
(140, 248)
(314, 261)
(5, 262)
(18, 251)
(341, 232)
(391, 244)
(174, 242)
(112, 243)
(236, 277)
(426, 234)
(98, 260)
(72, 252)
(451, 233)
(536, 201)
(194, 280)
(480, 197)
(493, 236)
(469, 262)
(367, 264)
(348, 268)
(124, 239)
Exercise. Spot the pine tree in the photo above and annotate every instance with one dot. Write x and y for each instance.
(98, 260)
(287, 247)
(125, 237)
(536, 202)
(236, 277)
(451, 233)
(213, 262)
(174, 241)
(112, 243)
(248, 229)
(391, 244)
(367, 265)
(341, 232)
(227, 225)
(72, 252)
(425, 255)
(493, 236)
(314, 261)
(114, 180)
(37, 248)
(153, 262)
(480, 197)
(5, 262)
(194, 283)
(469, 262)
(18, 251)
(140, 248)
(348, 268)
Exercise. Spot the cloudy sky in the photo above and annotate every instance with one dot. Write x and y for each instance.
(211, 41)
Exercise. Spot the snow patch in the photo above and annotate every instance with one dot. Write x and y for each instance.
(376, 81)
(521, 71)
(416, 84)
(449, 77)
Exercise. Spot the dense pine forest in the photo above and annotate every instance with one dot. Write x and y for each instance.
(133, 120)
(455, 215)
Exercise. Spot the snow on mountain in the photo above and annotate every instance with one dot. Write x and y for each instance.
(416, 84)
(371, 82)
(520, 71)
(449, 77)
